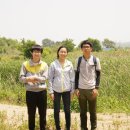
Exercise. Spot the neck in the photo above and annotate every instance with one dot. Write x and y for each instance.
(62, 61)
(35, 60)
(87, 56)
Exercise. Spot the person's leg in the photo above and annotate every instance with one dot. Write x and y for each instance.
(83, 109)
(66, 102)
(93, 115)
(57, 97)
(31, 107)
(42, 106)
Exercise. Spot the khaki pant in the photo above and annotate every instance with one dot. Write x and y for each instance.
(87, 103)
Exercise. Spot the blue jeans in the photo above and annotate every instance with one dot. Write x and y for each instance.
(66, 102)
(33, 100)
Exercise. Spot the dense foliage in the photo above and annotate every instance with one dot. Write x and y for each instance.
(96, 44)
(108, 43)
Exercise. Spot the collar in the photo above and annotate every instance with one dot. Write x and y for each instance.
(34, 64)
(65, 64)
(90, 60)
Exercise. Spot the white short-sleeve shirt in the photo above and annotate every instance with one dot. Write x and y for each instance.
(87, 75)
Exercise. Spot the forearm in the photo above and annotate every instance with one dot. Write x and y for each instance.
(72, 87)
(98, 74)
(41, 79)
(72, 80)
(44, 76)
(23, 79)
(50, 87)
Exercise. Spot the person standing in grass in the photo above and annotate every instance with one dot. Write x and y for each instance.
(34, 74)
(61, 84)
(88, 68)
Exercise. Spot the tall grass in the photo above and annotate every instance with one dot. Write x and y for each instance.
(114, 93)
(11, 90)
(115, 83)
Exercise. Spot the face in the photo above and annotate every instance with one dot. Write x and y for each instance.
(62, 53)
(86, 49)
(36, 55)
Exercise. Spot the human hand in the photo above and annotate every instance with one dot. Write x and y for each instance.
(95, 93)
(32, 79)
(77, 92)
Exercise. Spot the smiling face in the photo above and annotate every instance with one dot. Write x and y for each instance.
(36, 55)
(62, 53)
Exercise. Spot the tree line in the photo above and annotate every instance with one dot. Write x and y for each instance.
(8, 45)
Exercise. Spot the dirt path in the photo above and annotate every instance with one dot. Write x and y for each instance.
(116, 121)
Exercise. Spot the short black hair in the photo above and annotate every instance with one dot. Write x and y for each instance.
(37, 47)
(86, 42)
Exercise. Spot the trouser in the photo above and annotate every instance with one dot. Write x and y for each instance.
(33, 100)
(66, 103)
(84, 100)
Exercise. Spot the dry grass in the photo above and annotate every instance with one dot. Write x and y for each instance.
(15, 118)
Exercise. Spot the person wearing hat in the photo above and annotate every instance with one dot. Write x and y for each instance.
(34, 74)
(87, 79)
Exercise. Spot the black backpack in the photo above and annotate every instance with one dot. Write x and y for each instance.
(78, 70)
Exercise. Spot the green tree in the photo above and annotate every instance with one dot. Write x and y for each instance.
(9, 46)
(8, 42)
(26, 47)
(47, 51)
(96, 44)
(68, 43)
(108, 43)
(47, 42)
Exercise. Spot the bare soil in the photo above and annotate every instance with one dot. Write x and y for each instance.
(114, 121)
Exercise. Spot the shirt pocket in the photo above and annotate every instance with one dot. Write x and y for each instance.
(91, 68)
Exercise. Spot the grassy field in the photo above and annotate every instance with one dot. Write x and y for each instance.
(114, 88)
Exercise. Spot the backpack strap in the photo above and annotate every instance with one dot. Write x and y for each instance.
(77, 72)
(78, 65)
(95, 62)
(79, 61)
(97, 73)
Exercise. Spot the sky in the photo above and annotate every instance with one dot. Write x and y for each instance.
(61, 19)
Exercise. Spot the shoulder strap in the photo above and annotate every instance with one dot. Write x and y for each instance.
(77, 73)
(79, 61)
(95, 62)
